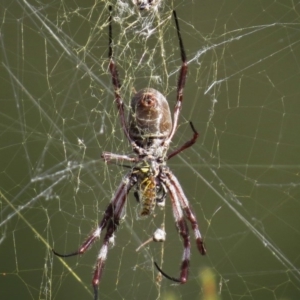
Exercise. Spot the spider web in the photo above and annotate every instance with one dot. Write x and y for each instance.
(241, 177)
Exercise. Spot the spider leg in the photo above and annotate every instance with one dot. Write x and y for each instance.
(108, 239)
(186, 145)
(108, 156)
(187, 210)
(165, 274)
(180, 84)
(117, 84)
(112, 211)
(183, 231)
(96, 233)
(111, 228)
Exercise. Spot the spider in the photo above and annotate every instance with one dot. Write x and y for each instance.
(146, 4)
(149, 130)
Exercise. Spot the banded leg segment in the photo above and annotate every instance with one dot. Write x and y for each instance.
(187, 211)
(183, 231)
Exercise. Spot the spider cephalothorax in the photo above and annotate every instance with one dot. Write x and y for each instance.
(150, 190)
(149, 130)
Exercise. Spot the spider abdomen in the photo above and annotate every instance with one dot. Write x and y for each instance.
(149, 118)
